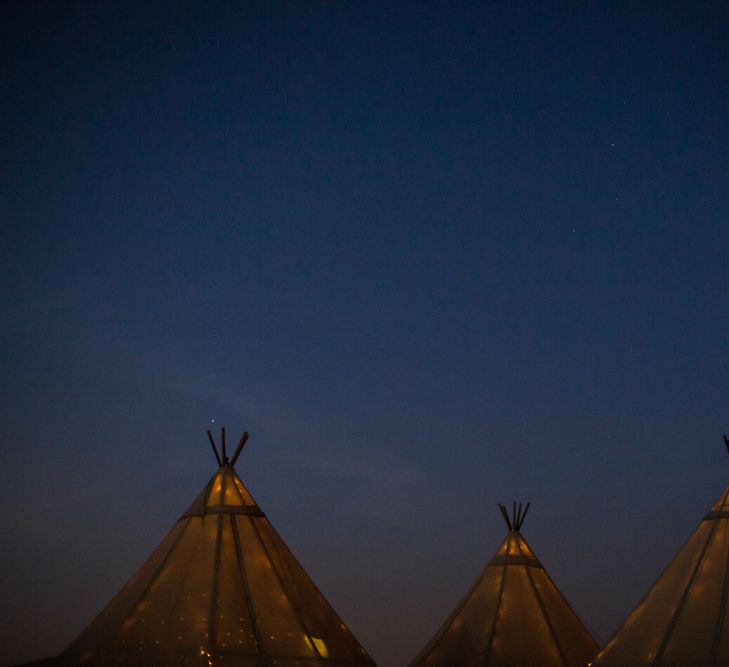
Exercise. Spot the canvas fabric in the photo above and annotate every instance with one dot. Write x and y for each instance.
(221, 589)
(513, 616)
(682, 621)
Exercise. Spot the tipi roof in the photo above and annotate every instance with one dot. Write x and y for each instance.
(221, 589)
(513, 616)
(683, 618)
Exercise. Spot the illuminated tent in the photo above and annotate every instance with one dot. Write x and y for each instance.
(221, 589)
(683, 618)
(513, 616)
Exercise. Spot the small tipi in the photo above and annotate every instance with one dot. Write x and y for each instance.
(221, 589)
(683, 618)
(513, 616)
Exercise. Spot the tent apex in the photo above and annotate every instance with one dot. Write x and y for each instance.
(518, 514)
(224, 460)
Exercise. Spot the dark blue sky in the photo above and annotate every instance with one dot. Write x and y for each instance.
(433, 256)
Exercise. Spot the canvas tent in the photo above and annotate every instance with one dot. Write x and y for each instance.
(513, 616)
(683, 618)
(221, 589)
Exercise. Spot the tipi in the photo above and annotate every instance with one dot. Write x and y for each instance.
(683, 618)
(513, 616)
(221, 589)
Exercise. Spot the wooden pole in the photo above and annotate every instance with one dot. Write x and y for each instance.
(222, 446)
(726, 442)
(505, 514)
(215, 449)
(523, 516)
(239, 448)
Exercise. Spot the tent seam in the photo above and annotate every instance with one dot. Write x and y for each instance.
(722, 610)
(492, 631)
(247, 589)
(152, 579)
(214, 591)
(674, 619)
(295, 606)
(544, 613)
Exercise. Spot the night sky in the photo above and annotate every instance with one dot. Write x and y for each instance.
(432, 256)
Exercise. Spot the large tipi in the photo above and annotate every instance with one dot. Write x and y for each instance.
(221, 589)
(683, 618)
(513, 616)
